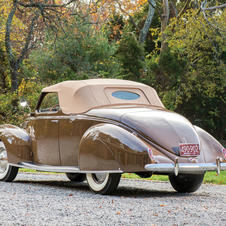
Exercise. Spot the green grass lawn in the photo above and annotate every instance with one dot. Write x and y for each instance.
(34, 171)
(210, 177)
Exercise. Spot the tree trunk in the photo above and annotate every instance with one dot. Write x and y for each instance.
(147, 24)
(14, 78)
(2, 80)
(164, 22)
(12, 63)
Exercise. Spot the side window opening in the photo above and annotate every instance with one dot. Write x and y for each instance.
(50, 103)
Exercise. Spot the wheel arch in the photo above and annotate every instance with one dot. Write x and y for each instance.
(17, 143)
(109, 147)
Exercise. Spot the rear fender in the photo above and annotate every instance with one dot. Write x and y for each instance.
(210, 146)
(109, 147)
(17, 143)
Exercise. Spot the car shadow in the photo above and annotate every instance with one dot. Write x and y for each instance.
(130, 192)
(56, 184)
(121, 191)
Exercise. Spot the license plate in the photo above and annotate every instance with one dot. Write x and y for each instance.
(189, 149)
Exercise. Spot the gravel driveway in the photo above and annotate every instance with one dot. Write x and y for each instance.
(51, 199)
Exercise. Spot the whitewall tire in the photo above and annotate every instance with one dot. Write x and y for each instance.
(103, 183)
(7, 173)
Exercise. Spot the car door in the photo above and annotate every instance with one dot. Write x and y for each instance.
(46, 127)
(69, 139)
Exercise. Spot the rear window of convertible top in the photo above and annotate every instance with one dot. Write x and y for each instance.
(125, 95)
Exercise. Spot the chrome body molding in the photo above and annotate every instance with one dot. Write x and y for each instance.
(102, 171)
(58, 169)
(48, 168)
(186, 168)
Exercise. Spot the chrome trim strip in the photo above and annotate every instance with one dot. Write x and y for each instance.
(102, 171)
(185, 167)
(47, 168)
(59, 169)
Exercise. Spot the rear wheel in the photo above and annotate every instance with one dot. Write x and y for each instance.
(186, 182)
(103, 183)
(7, 173)
(76, 177)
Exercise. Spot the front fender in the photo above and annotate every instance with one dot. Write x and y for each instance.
(109, 147)
(210, 146)
(17, 143)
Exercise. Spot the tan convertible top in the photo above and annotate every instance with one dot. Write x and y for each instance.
(82, 95)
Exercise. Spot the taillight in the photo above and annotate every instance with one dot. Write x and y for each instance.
(224, 153)
(151, 155)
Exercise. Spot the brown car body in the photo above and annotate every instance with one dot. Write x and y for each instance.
(108, 126)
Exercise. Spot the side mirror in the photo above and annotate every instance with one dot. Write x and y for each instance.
(23, 103)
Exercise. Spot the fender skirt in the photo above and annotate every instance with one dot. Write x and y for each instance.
(17, 143)
(109, 147)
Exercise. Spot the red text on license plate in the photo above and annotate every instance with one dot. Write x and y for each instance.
(189, 149)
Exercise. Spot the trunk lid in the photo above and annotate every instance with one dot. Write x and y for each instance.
(165, 128)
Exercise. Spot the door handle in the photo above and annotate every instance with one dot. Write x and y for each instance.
(54, 120)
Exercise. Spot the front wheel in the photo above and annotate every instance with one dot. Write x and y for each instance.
(7, 173)
(186, 182)
(103, 183)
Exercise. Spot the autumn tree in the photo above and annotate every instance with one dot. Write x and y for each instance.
(190, 75)
(33, 16)
(4, 9)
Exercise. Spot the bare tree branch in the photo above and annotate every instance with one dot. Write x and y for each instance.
(184, 9)
(214, 26)
(83, 18)
(28, 39)
(160, 15)
(37, 5)
(214, 8)
(174, 8)
(130, 17)
(214, 55)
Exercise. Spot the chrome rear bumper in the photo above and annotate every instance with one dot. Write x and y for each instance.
(192, 168)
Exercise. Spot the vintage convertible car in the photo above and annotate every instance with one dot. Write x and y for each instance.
(97, 129)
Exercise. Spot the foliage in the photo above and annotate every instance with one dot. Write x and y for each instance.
(99, 12)
(5, 7)
(130, 54)
(164, 74)
(78, 53)
(210, 177)
(114, 27)
(10, 111)
(4, 75)
(190, 76)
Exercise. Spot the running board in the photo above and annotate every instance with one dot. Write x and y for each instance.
(48, 168)
(59, 169)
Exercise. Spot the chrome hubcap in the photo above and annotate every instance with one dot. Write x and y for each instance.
(99, 177)
(3, 160)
